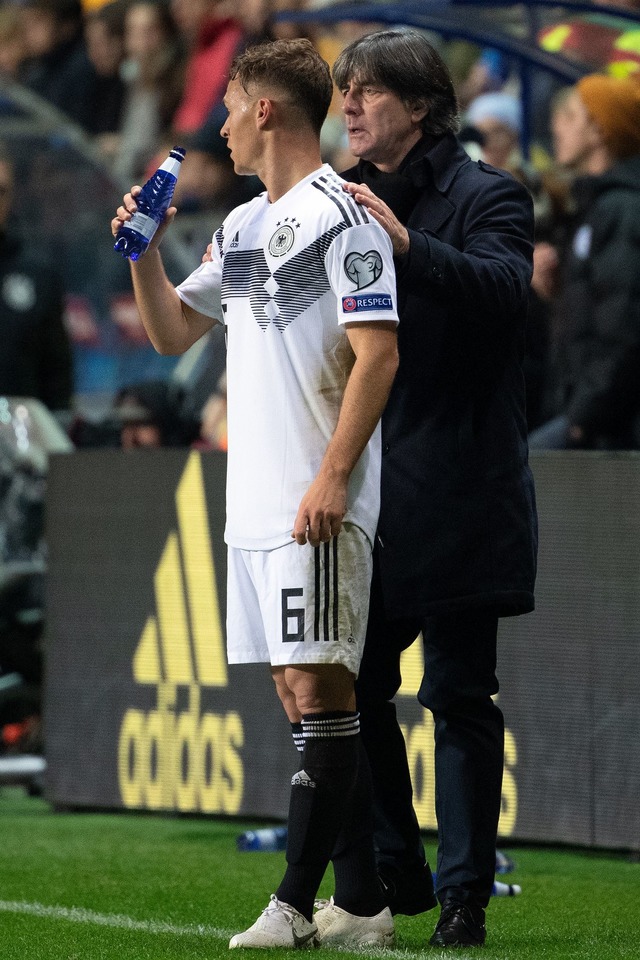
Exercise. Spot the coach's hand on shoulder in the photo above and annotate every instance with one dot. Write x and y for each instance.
(398, 233)
(125, 212)
(321, 511)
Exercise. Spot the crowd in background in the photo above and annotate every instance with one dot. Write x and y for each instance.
(140, 75)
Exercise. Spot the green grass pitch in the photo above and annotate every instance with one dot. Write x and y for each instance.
(87, 886)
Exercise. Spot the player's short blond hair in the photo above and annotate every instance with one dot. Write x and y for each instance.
(293, 66)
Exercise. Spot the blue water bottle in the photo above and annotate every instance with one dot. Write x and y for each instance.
(505, 889)
(133, 237)
(266, 840)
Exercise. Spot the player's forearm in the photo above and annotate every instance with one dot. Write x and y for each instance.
(160, 306)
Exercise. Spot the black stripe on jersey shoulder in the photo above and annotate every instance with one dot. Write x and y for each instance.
(359, 212)
(354, 213)
(219, 238)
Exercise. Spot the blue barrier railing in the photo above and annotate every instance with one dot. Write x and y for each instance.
(450, 19)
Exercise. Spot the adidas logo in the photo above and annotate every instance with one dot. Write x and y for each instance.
(177, 756)
(184, 643)
(302, 779)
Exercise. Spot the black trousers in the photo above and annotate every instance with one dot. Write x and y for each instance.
(460, 652)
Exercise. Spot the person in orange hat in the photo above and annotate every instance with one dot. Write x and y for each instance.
(608, 113)
(594, 369)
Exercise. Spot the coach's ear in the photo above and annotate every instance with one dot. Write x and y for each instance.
(419, 110)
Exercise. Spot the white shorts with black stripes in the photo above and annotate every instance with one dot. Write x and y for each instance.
(300, 604)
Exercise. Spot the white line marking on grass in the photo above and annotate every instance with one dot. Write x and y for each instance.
(384, 953)
(120, 921)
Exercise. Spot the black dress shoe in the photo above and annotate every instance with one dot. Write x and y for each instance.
(459, 926)
(409, 891)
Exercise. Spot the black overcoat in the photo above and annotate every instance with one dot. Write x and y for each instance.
(458, 525)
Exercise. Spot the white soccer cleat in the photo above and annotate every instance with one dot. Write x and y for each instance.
(337, 928)
(279, 925)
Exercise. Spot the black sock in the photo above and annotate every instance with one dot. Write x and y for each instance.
(320, 794)
(358, 889)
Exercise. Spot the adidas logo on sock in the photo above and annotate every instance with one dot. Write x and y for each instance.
(302, 779)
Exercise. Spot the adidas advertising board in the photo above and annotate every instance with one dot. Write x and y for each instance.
(143, 712)
(138, 663)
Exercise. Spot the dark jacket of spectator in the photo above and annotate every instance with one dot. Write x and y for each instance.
(596, 331)
(59, 69)
(35, 357)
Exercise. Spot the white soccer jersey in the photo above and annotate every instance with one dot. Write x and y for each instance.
(289, 275)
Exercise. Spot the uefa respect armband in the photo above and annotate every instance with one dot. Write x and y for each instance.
(362, 303)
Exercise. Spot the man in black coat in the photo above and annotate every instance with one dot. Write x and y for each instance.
(458, 531)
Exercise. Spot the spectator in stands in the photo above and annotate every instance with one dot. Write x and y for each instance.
(143, 415)
(213, 39)
(594, 384)
(104, 39)
(487, 74)
(213, 419)
(153, 72)
(551, 207)
(57, 67)
(498, 117)
(12, 44)
(257, 20)
(35, 357)
(151, 415)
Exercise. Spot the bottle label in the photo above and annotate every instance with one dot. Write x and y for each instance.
(171, 165)
(143, 224)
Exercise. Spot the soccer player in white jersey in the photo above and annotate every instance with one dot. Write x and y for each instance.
(303, 279)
